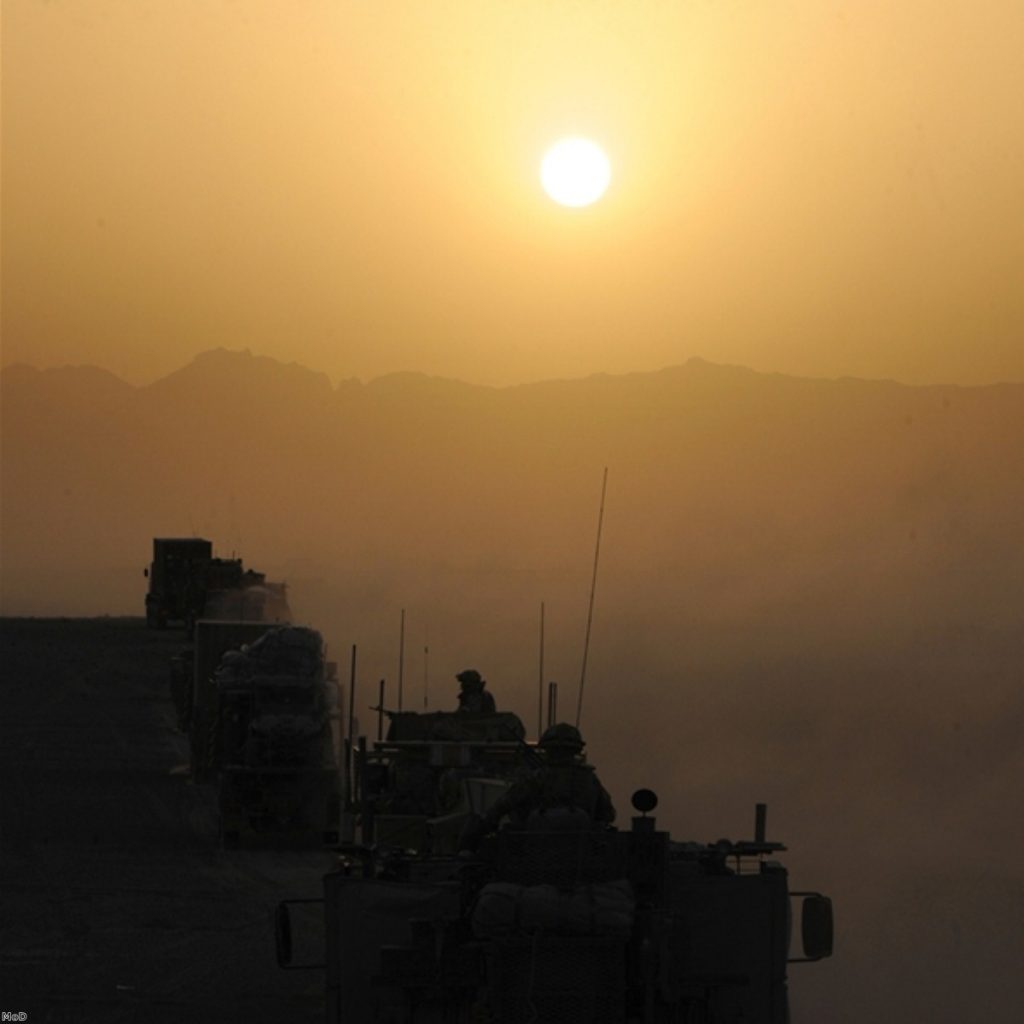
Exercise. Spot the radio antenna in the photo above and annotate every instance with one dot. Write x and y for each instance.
(540, 677)
(590, 610)
(401, 658)
(426, 667)
(350, 766)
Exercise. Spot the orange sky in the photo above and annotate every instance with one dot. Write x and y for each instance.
(812, 187)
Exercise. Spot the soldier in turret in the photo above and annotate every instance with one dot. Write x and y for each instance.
(473, 698)
(563, 794)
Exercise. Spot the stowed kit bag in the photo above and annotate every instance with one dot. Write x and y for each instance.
(503, 909)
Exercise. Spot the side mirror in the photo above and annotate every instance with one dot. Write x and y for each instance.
(816, 926)
(283, 937)
(145, 572)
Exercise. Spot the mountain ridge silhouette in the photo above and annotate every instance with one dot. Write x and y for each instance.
(710, 465)
(245, 363)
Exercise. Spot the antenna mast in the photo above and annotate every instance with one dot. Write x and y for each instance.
(426, 667)
(401, 658)
(540, 677)
(593, 587)
(350, 765)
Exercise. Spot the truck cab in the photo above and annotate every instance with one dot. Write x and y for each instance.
(175, 580)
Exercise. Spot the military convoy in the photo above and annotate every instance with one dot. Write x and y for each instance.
(549, 918)
(476, 880)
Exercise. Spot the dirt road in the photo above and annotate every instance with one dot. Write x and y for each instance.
(118, 904)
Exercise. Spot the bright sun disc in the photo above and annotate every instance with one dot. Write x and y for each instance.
(575, 172)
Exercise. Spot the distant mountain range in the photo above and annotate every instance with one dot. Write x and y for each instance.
(728, 488)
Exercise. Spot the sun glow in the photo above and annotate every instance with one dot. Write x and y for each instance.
(575, 172)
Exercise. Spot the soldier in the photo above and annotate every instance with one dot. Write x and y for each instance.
(473, 698)
(564, 794)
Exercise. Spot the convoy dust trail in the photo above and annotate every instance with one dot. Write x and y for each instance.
(119, 904)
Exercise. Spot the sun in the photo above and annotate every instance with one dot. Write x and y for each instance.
(575, 172)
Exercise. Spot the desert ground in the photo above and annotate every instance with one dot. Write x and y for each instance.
(119, 904)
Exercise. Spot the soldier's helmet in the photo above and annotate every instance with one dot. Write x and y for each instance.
(562, 738)
(470, 679)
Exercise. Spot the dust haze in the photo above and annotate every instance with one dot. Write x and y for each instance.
(809, 594)
(810, 589)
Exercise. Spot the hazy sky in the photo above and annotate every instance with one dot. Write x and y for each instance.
(815, 187)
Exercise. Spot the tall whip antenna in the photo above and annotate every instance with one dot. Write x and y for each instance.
(401, 658)
(540, 677)
(590, 610)
(350, 766)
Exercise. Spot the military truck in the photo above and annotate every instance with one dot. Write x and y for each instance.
(273, 741)
(561, 924)
(187, 583)
(263, 726)
(194, 691)
(175, 592)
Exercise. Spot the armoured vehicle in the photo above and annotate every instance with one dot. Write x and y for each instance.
(417, 788)
(561, 921)
(187, 583)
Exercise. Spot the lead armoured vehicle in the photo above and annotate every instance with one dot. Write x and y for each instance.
(174, 593)
(187, 583)
(565, 922)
